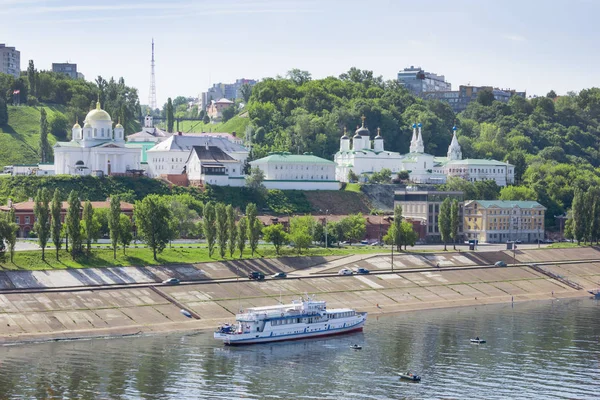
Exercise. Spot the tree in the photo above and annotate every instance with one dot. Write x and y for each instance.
(301, 232)
(383, 176)
(208, 226)
(242, 229)
(221, 223)
(125, 231)
(3, 112)
(517, 193)
(31, 77)
(59, 125)
(396, 234)
(256, 179)
(228, 113)
(11, 234)
(276, 235)
(73, 223)
(408, 235)
(246, 92)
(579, 216)
(113, 223)
(91, 226)
(568, 233)
(403, 176)
(485, 97)
(41, 210)
(170, 118)
(206, 119)
(231, 229)
(56, 221)
(254, 226)
(45, 149)
(551, 95)
(355, 226)
(152, 217)
(352, 177)
(445, 220)
(183, 222)
(454, 222)
(298, 76)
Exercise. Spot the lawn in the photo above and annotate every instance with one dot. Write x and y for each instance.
(564, 245)
(236, 124)
(353, 187)
(180, 254)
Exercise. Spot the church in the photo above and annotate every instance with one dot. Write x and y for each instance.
(96, 149)
(364, 156)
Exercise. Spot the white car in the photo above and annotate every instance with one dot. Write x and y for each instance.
(345, 271)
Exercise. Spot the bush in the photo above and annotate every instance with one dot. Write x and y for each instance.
(59, 126)
(32, 101)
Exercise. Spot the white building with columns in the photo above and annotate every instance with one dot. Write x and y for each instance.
(361, 155)
(96, 149)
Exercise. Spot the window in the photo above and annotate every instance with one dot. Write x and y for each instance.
(27, 219)
(18, 219)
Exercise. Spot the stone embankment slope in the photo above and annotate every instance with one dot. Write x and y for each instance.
(415, 284)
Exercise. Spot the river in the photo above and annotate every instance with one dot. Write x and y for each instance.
(543, 349)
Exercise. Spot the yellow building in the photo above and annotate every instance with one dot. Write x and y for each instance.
(498, 221)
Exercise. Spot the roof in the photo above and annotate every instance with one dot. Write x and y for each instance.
(212, 154)
(285, 157)
(509, 204)
(28, 205)
(187, 142)
(145, 133)
(475, 161)
(224, 101)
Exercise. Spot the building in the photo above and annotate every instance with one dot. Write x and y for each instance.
(423, 204)
(170, 156)
(215, 109)
(460, 99)
(224, 90)
(10, 61)
(211, 165)
(418, 81)
(25, 217)
(284, 170)
(499, 221)
(97, 149)
(364, 156)
(146, 139)
(67, 69)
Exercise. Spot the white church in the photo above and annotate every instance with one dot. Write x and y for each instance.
(97, 149)
(364, 156)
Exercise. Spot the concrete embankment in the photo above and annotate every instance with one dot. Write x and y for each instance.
(415, 284)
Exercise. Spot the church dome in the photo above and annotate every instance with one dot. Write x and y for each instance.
(378, 137)
(345, 134)
(363, 130)
(76, 126)
(97, 115)
(87, 125)
(119, 126)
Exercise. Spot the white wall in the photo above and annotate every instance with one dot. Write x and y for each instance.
(301, 185)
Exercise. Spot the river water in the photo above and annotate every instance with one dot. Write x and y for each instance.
(545, 349)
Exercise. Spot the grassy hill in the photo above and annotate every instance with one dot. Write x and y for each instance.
(236, 124)
(19, 140)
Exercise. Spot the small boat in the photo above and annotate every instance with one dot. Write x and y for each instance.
(356, 346)
(186, 313)
(477, 341)
(410, 377)
(595, 293)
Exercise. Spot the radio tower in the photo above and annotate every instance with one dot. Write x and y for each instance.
(152, 95)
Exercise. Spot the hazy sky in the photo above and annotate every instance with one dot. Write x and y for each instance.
(525, 45)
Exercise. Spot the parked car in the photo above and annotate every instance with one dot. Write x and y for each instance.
(171, 281)
(378, 243)
(364, 242)
(500, 264)
(256, 276)
(279, 275)
(361, 271)
(345, 271)
(518, 241)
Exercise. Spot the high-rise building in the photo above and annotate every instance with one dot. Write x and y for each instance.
(460, 99)
(417, 81)
(10, 60)
(66, 68)
(229, 91)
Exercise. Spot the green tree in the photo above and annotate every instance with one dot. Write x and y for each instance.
(256, 179)
(59, 125)
(231, 229)
(152, 217)
(208, 226)
(356, 227)
(301, 232)
(246, 92)
(41, 210)
(31, 77)
(485, 97)
(383, 176)
(409, 236)
(170, 118)
(454, 222)
(91, 226)
(11, 234)
(352, 177)
(254, 227)
(445, 220)
(125, 231)
(45, 149)
(73, 223)
(242, 229)
(517, 193)
(228, 113)
(403, 176)
(276, 235)
(579, 216)
(206, 119)
(221, 223)
(568, 233)
(113, 223)
(3, 112)
(55, 212)
(184, 217)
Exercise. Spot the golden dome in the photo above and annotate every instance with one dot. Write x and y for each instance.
(119, 126)
(77, 126)
(97, 115)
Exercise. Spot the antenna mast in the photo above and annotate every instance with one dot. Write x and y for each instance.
(152, 95)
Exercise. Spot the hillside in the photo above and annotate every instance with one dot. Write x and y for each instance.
(19, 141)
(236, 124)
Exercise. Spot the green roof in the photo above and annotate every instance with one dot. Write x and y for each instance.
(285, 157)
(509, 203)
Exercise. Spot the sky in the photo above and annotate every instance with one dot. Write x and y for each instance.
(524, 45)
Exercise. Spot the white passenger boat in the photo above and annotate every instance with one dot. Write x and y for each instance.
(302, 319)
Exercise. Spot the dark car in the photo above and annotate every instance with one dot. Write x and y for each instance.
(256, 276)
(500, 263)
(279, 275)
(362, 271)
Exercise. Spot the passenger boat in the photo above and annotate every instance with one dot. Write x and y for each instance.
(410, 377)
(477, 341)
(304, 318)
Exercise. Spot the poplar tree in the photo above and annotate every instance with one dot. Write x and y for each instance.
(221, 223)
(170, 118)
(444, 220)
(152, 218)
(90, 225)
(41, 210)
(231, 229)
(45, 149)
(125, 231)
(254, 228)
(242, 229)
(11, 236)
(113, 223)
(31, 77)
(56, 222)
(73, 223)
(454, 222)
(208, 226)
(579, 216)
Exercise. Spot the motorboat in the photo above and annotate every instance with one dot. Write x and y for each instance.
(356, 346)
(477, 341)
(410, 377)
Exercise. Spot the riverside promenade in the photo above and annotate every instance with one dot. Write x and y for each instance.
(73, 304)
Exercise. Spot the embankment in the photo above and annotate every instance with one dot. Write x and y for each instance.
(414, 285)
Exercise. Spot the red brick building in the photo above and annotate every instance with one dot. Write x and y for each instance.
(25, 217)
